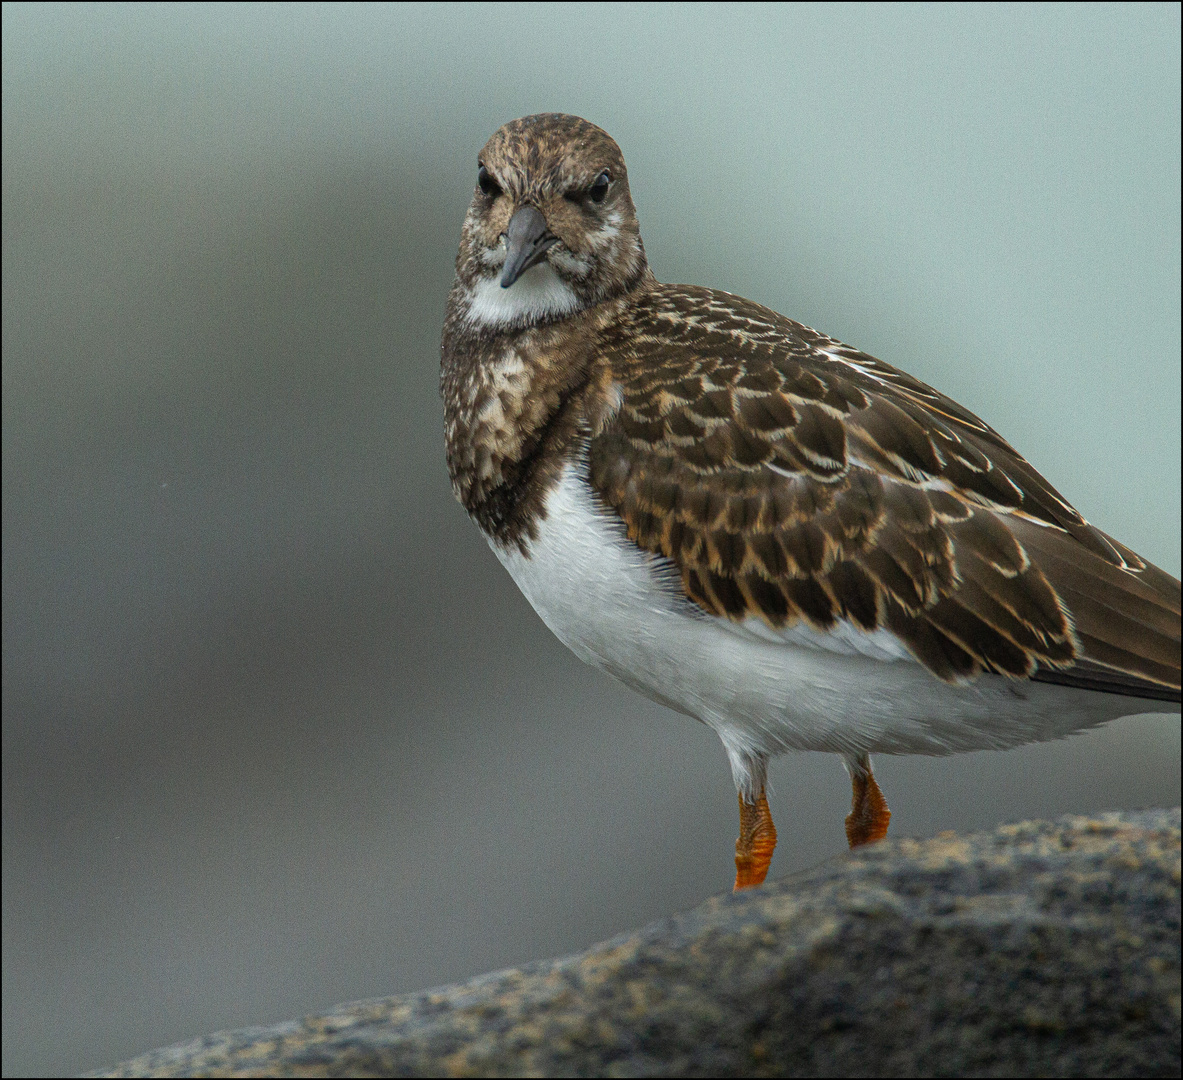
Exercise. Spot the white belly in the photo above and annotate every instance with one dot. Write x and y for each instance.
(764, 693)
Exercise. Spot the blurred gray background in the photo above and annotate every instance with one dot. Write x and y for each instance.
(278, 730)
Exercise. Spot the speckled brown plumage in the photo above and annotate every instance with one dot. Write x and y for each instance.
(751, 522)
(515, 396)
(785, 476)
(795, 479)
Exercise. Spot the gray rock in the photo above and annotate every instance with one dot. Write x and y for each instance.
(1039, 949)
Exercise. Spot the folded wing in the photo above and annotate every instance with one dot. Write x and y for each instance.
(796, 481)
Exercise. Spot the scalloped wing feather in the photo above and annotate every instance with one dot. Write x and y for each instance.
(795, 480)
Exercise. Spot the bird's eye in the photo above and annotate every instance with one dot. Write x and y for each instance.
(599, 190)
(487, 184)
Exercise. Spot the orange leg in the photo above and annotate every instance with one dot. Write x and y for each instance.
(867, 821)
(756, 843)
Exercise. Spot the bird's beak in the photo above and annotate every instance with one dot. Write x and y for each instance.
(527, 240)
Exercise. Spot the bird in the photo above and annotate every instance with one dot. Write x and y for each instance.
(754, 524)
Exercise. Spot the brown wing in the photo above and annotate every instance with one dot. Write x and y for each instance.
(794, 479)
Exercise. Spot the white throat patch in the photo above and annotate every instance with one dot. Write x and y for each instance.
(538, 294)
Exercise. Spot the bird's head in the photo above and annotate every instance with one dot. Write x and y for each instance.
(552, 228)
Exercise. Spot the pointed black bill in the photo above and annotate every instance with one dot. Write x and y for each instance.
(527, 240)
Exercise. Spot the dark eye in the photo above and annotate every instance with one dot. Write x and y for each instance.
(486, 183)
(599, 189)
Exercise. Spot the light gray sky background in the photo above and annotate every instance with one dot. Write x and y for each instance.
(278, 731)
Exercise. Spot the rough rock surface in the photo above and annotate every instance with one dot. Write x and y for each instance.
(1045, 948)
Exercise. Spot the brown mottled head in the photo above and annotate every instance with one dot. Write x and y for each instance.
(552, 229)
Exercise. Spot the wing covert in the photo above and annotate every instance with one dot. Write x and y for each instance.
(793, 479)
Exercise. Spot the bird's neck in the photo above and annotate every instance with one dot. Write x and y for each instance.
(515, 398)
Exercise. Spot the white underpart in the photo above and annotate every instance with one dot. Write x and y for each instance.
(538, 293)
(765, 692)
(845, 638)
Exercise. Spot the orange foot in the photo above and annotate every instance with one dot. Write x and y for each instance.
(756, 843)
(867, 821)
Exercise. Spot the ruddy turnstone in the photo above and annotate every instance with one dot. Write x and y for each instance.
(754, 524)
